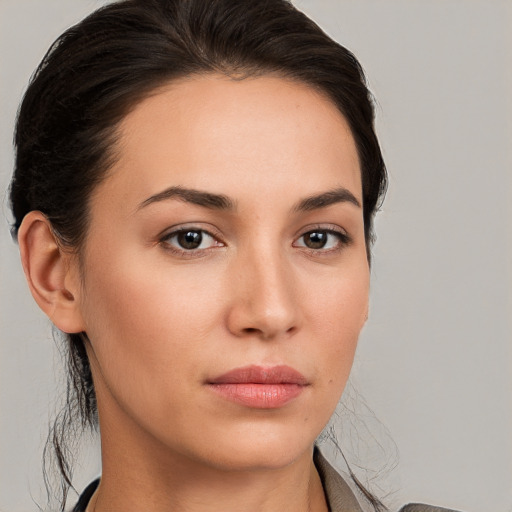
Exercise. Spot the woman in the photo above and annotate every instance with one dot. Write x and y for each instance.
(194, 193)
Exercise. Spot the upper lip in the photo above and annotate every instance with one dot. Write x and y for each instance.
(254, 374)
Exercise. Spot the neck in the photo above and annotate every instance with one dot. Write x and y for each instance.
(257, 493)
(189, 487)
(141, 474)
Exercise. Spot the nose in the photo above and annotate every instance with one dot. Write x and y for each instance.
(264, 300)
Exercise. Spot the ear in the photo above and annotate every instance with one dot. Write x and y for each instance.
(52, 273)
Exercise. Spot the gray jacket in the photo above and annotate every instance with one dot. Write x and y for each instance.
(340, 497)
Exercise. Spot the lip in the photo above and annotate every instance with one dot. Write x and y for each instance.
(260, 387)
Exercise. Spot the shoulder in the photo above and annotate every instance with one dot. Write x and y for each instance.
(419, 507)
(341, 498)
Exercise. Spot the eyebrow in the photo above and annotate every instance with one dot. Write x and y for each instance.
(338, 195)
(198, 197)
(223, 202)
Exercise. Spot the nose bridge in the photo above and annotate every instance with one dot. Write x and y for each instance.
(266, 300)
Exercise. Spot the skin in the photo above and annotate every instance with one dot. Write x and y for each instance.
(163, 321)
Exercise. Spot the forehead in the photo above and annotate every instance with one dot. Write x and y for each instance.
(234, 137)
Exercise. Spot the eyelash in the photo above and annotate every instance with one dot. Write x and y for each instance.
(343, 241)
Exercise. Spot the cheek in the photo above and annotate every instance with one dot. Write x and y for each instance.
(339, 314)
(149, 329)
(339, 301)
(144, 319)
(132, 295)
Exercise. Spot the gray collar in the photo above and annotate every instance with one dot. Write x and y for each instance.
(340, 497)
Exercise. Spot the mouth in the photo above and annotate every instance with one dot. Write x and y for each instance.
(260, 387)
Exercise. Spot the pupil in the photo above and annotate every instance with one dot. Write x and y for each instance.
(316, 239)
(190, 239)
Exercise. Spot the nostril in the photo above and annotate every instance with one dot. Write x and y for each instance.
(266, 334)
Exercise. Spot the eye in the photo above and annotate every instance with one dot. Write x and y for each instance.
(322, 239)
(190, 240)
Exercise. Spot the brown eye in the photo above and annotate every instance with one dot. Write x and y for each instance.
(322, 240)
(316, 239)
(189, 239)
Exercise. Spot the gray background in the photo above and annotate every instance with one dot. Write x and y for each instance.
(435, 359)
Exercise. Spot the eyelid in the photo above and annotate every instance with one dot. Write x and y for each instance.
(193, 226)
(333, 228)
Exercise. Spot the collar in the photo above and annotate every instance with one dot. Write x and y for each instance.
(338, 494)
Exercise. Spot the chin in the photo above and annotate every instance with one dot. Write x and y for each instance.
(260, 449)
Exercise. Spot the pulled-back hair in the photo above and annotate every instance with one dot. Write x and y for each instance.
(101, 68)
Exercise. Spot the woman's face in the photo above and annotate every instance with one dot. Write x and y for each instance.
(225, 279)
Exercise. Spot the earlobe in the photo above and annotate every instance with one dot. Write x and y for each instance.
(51, 273)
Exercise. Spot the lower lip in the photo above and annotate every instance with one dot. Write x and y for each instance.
(259, 396)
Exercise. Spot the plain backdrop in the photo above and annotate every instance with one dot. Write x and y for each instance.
(435, 359)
